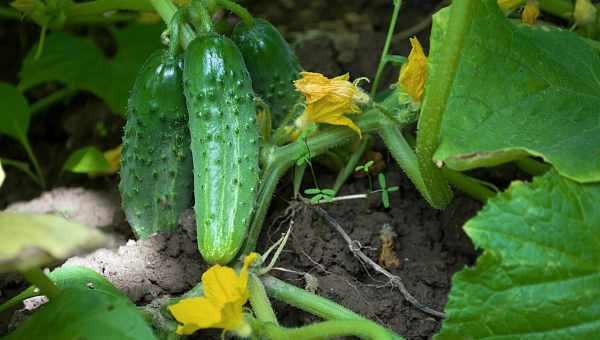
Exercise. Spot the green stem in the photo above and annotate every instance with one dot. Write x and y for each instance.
(348, 169)
(533, 167)
(260, 301)
(277, 160)
(270, 179)
(468, 185)
(299, 171)
(386, 47)
(560, 8)
(436, 99)
(200, 17)
(36, 277)
(17, 299)
(237, 10)
(363, 329)
(166, 10)
(10, 13)
(405, 156)
(473, 187)
(103, 6)
(311, 303)
(36, 165)
(51, 99)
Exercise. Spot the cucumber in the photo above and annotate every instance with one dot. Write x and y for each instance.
(223, 127)
(272, 65)
(156, 163)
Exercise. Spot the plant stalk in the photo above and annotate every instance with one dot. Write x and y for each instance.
(363, 329)
(36, 277)
(386, 47)
(260, 301)
(436, 99)
(311, 303)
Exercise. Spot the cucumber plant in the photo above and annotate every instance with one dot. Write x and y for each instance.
(496, 90)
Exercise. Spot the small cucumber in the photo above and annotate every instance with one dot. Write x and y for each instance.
(272, 65)
(156, 162)
(225, 146)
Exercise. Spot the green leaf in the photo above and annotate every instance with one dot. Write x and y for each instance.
(385, 199)
(381, 180)
(80, 64)
(328, 192)
(14, 118)
(539, 275)
(312, 191)
(87, 160)
(520, 90)
(28, 240)
(89, 307)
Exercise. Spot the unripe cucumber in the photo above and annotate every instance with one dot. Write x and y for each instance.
(220, 100)
(156, 162)
(272, 65)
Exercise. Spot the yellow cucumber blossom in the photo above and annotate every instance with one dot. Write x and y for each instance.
(414, 72)
(225, 293)
(530, 12)
(584, 13)
(327, 100)
(508, 6)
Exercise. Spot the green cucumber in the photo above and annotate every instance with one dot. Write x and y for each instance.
(220, 100)
(156, 162)
(272, 65)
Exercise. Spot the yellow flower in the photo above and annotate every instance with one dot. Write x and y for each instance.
(327, 100)
(508, 6)
(530, 12)
(414, 72)
(225, 293)
(584, 13)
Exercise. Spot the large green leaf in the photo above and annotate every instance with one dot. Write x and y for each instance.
(539, 275)
(521, 90)
(89, 307)
(80, 64)
(14, 115)
(32, 240)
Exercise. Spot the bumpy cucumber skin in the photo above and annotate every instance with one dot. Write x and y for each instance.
(272, 65)
(156, 161)
(220, 100)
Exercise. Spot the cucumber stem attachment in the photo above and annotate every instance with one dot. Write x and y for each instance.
(237, 10)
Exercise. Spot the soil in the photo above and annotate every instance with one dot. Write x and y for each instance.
(331, 37)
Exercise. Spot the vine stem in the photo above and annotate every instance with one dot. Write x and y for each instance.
(237, 10)
(278, 160)
(561, 8)
(36, 165)
(386, 46)
(36, 277)
(364, 329)
(314, 304)
(51, 99)
(260, 301)
(103, 6)
(436, 99)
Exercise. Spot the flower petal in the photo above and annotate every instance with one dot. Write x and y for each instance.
(414, 72)
(194, 314)
(342, 120)
(221, 285)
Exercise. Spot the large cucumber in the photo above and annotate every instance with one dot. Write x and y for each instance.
(272, 65)
(225, 146)
(156, 162)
